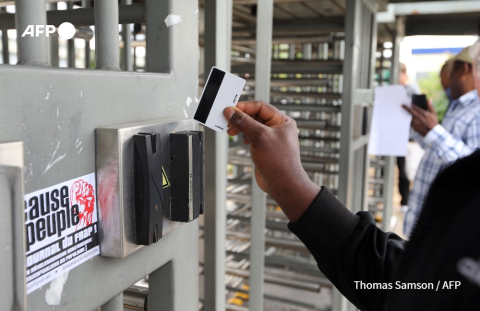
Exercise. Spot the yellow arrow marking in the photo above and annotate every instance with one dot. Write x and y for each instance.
(166, 183)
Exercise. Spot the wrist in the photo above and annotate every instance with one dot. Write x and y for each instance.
(434, 135)
(296, 196)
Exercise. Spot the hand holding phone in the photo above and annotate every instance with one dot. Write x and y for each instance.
(424, 117)
(420, 100)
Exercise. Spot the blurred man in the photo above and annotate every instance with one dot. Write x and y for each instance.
(441, 104)
(410, 87)
(458, 135)
(403, 181)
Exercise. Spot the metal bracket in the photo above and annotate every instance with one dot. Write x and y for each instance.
(115, 182)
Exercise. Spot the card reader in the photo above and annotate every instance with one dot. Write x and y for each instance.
(187, 180)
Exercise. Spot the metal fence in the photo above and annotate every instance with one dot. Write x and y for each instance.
(54, 113)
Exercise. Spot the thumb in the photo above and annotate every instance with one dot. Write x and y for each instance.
(244, 123)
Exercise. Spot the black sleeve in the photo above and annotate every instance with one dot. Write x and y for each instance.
(349, 248)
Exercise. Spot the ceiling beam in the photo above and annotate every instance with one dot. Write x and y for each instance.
(436, 7)
(339, 5)
(128, 14)
(312, 8)
(314, 26)
(290, 13)
(427, 8)
(455, 24)
(249, 19)
(275, 1)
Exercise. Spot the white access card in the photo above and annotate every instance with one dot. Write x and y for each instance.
(222, 90)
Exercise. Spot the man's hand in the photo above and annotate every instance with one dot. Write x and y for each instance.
(275, 151)
(423, 121)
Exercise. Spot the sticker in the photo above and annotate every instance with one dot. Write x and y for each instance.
(61, 229)
(166, 183)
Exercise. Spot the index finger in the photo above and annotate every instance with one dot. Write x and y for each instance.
(411, 110)
(407, 108)
(262, 112)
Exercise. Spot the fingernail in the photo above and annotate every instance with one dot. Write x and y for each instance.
(228, 113)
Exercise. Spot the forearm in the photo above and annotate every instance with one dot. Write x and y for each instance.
(349, 248)
(447, 147)
(294, 196)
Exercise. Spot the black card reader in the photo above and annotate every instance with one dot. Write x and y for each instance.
(187, 180)
(148, 188)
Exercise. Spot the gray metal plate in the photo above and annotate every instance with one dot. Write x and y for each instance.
(115, 186)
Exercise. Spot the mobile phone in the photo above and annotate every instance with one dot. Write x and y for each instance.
(420, 100)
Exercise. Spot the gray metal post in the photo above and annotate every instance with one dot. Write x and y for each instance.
(87, 4)
(389, 168)
(258, 216)
(134, 57)
(307, 55)
(115, 304)
(161, 288)
(352, 149)
(388, 177)
(350, 74)
(291, 52)
(32, 50)
(5, 50)
(106, 35)
(127, 60)
(370, 60)
(71, 44)
(12, 222)
(307, 51)
(87, 54)
(320, 51)
(218, 32)
(159, 44)
(53, 43)
(397, 40)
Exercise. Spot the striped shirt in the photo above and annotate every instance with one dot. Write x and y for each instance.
(458, 136)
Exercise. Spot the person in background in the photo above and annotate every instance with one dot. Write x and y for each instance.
(410, 87)
(403, 182)
(458, 135)
(441, 103)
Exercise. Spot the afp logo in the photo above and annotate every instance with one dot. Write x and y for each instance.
(65, 30)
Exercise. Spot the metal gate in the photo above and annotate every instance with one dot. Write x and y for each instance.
(54, 112)
(334, 130)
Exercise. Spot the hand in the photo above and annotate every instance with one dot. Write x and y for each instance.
(423, 121)
(275, 151)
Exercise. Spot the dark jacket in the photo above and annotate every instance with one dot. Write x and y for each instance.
(444, 247)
